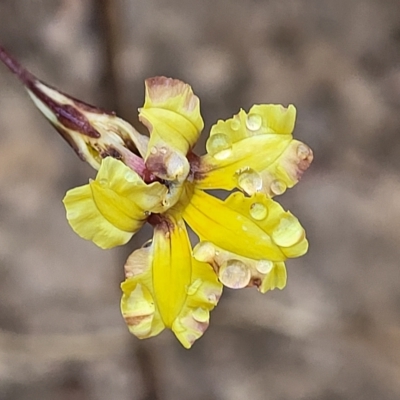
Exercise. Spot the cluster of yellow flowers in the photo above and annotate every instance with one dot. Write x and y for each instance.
(244, 240)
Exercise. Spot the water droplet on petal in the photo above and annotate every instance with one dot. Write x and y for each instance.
(250, 181)
(234, 274)
(175, 165)
(218, 143)
(264, 266)
(194, 287)
(253, 122)
(201, 314)
(204, 251)
(130, 176)
(153, 150)
(235, 124)
(212, 298)
(303, 151)
(258, 211)
(223, 155)
(147, 244)
(288, 232)
(103, 182)
(278, 186)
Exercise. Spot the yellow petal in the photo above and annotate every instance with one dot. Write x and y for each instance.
(171, 112)
(172, 102)
(138, 305)
(237, 272)
(87, 221)
(171, 269)
(282, 226)
(175, 290)
(255, 227)
(121, 179)
(254, 152)
(275, 279)
(121, 212)
(229, 227)
(203, 294)
(112, 208)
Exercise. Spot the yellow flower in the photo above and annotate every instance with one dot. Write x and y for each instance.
(244, 239)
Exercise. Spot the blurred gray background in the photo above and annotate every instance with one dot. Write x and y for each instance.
(334, 332)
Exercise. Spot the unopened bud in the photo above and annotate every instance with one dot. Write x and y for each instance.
(92, 132)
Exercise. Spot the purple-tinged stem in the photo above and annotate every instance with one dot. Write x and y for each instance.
(16, 68)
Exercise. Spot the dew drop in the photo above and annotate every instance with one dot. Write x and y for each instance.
(278, 186)
(234, 274)
(204, 251)
(147, 244)
(264, 266)
(235, 124)
(288, 232)
(201, 314)
(253, 122)
(130, 176)
(223, 155)
(153, 150)
(244, 228)
(194, 287)
(212, 298)
(103, 182)
(175, 165)
(303, 151)
(218, 143)
(258, 211)
(250, 181)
